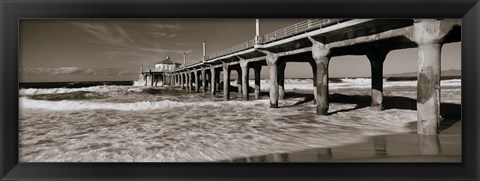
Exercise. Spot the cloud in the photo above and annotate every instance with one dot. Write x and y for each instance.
(117, 41)
(76, 71)
(108, 34)
(184, 44)
(174, 26)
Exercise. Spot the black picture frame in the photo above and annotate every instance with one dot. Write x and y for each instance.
(13, 10)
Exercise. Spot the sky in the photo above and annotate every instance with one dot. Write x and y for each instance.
(57, 50)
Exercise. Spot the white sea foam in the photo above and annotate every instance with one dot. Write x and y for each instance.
(69, 105)
(360, 83)
(98, 89)
(290, 84)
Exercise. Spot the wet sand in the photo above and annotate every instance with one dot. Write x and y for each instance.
(445, 147)
(409, 147)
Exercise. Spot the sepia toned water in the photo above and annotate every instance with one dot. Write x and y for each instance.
(160, 124)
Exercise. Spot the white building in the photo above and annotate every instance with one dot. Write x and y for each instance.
(167, 65)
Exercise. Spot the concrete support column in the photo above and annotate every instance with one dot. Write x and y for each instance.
(151, 80)
(428, 34)
(321, 55)
(163, 79)
(239, 81)
(145, 79)
(176, 79)
(185, 80)
(168, 79)
(189, 80)
(181, 81)
(212, 80)
(428, 88)
(273, 71)
(226, 82)
(314, 71)
(195, 75)
(204, 80)
(217, 81)
(192, 80)
(377, 57)
(244, 67)
(257, 70)
(207, 80)
(281, 80)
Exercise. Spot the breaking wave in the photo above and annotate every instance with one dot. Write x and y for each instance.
(69, 105)
(35, 91)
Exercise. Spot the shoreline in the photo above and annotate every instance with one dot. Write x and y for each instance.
(393, 148)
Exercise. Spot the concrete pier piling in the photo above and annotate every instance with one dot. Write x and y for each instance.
(204, 81)
(145, 79)
(197, 81)
(281, 80)
(217, 80)
(212, 79)
(428, 88)
(244, 68)
(428, 34)
(321, 55)
(257, 70)
(182, 81)
(376, 57)
(186, 80)
(314, 72)
(226, 82)
(189, 81)
(271, 59)
(175, 76)
(239, 81)
(151, 80)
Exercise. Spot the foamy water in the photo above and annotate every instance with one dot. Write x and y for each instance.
(134, 123)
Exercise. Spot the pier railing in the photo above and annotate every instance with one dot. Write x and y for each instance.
(242, 46)
(289, 31)
(298, 28)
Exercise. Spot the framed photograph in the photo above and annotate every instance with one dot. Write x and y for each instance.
(247, 90)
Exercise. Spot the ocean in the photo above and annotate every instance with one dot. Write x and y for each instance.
(128, 122)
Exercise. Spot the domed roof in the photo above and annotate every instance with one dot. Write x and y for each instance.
(167, 60)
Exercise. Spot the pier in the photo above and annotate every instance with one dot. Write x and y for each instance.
(316, 41)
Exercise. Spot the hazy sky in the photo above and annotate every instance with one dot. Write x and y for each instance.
(114, 49)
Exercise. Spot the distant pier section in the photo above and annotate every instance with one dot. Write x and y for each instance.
(316, 41)
(163, 71)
